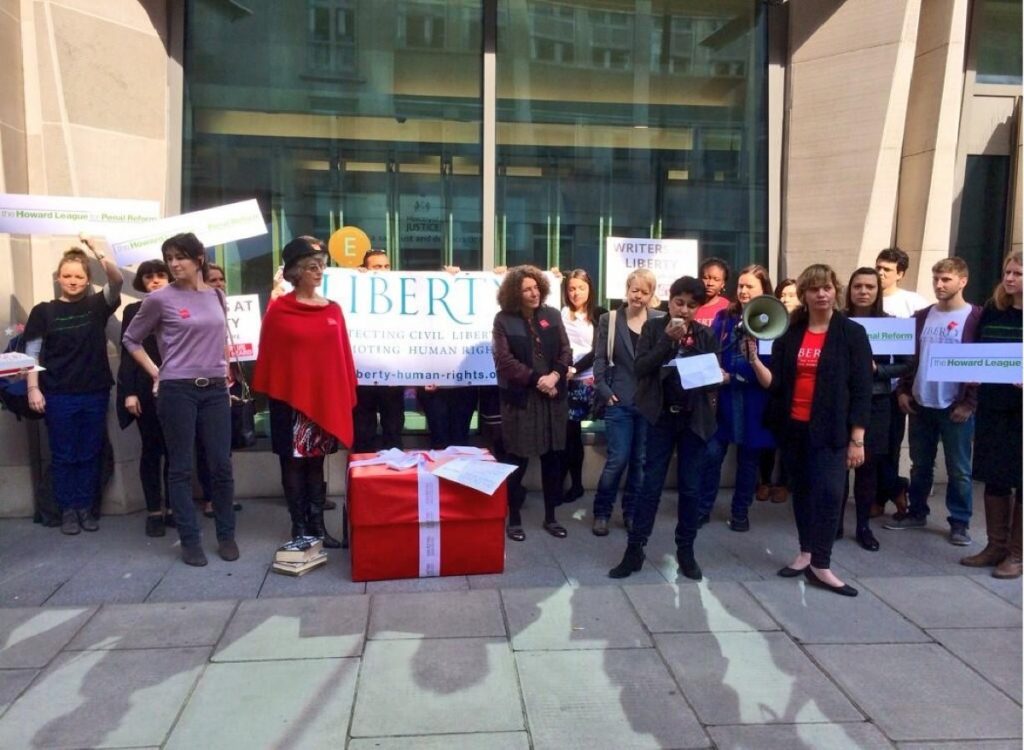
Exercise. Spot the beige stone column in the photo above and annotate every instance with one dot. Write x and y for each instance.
(928, 167)
(849, 82)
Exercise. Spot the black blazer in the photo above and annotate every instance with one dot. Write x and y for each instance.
(842, 390)
(653, 351)
(512, 345)
(617, 377)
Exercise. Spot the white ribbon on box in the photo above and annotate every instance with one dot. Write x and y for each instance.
(429, 497)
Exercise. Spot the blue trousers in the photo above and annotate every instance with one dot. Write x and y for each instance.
(625, 431)
(184, 410)
(927, 427)
(672, 433)
(75, 426)
(748, 462)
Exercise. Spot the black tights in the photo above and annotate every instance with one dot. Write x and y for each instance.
(551, 480)
(303, 483)
(573, 453)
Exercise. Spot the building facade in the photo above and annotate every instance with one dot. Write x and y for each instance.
(497, 132)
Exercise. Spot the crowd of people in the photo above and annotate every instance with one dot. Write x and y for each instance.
(820, 406)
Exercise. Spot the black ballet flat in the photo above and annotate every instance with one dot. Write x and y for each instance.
(788, 572)
(556, 529)
(844, 590)
(515, 533)
(867, 540)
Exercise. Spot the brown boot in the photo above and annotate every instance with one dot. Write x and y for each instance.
(997, 523)
(1011, 566)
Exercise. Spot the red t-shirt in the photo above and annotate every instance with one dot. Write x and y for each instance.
(806, 375)
(706, 313)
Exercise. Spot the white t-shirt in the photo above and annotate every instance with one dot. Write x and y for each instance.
(581, 339)
(903, 303)
(939, 328)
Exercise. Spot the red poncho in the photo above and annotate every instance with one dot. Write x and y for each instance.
(305, 361)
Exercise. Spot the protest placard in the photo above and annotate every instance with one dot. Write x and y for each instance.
(667, 259)
(244, 324)
(68, 215)
(973, 363)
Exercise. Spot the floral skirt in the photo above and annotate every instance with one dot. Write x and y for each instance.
(581, 399)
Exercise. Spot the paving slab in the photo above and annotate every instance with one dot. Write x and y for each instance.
(810, 615)
(572, 618)
(332, 579)
(437, 686)
(479, 741)
(179, 624)
(102, 699)
(13, 683)
(418, 585)
(295, 628)
(454, 614)
(945, 602)
(752, 678)
(978, 745)
(994, 652)
(219, 580)
(861, 736)
(109, 583)
(920, 692)
(32, 583)
(31, 637)
(718, 606)
(274, 704)
(1010, 590)
(586, 559)
(597, 700)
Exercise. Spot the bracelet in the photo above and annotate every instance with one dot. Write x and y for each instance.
(857, 443)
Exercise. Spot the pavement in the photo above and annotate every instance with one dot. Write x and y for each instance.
(108, 641)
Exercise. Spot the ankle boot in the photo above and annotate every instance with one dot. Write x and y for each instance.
(998, 509)
(298, 512)
(315, 519)
(632, 561)
(1011, 566)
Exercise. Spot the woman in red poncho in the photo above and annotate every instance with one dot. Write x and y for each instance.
(305, 367)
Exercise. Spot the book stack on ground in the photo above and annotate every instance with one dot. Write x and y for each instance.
(299, 556)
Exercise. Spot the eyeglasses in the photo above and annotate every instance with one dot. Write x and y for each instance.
(313, 265)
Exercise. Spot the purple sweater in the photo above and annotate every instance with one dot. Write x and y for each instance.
(190, 329)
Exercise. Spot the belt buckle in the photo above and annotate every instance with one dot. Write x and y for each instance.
(675, 410)
(201, 382)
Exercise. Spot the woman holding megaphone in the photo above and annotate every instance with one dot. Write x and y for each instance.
(819, 409)
(741, 401)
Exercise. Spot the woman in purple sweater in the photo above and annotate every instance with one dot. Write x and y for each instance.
(188, 319)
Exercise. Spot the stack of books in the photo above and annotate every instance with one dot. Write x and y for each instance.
(299, 556)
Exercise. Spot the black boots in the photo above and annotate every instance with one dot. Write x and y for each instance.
(632, 561)
(688, 564)
(297, 511)
(315, 515)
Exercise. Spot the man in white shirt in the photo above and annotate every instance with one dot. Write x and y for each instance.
(892, 264)
(941, 411)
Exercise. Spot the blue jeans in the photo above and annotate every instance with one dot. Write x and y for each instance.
(927, 427)
(748, 462)
(75, 426)
(186, 410)
(671, 434)
(625, 431)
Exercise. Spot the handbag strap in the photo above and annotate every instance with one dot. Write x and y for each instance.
(246, 393)
(611, 337)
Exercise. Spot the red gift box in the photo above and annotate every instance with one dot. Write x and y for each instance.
(385, 529)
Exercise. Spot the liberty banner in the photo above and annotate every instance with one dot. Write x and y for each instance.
(213, 226)
(418, 328)
(974, 363)
(667, 259)
(66, 215)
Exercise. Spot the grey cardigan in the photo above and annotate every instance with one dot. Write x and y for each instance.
(617, 377)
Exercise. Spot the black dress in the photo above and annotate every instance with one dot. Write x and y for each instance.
(997, 428)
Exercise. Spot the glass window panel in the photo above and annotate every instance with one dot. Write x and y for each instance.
(630, 118)
(998, 41)
(981, 235)
(334, 113)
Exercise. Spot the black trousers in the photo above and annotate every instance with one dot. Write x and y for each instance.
(449, 412)
(386, 400)
(817, 476)
(153, 459)
(889, 464)
(573, 465)
(551, 482)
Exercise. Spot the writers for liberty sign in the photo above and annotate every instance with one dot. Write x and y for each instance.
(667, 259)
(418, 328)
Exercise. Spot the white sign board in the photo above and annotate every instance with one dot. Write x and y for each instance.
(974, 363)
(244, 324)
(889, 335)
(667, 259)
(213, 226)
(418, 328)
(53, 214)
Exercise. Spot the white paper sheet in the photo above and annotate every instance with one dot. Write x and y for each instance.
(483, 476)
(698, 371)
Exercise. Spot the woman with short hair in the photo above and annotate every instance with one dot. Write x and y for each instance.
(305, 366)
(532, 356)
(135, 402)
(188, 318)
(68, 337)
